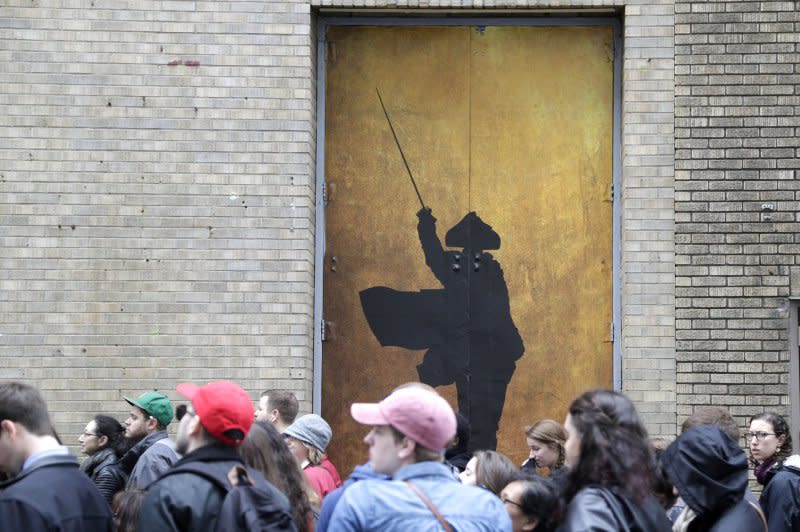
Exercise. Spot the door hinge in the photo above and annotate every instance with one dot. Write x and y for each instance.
(322, 330)
(330, 52)
(611, 198)
(328, 193)
(611, 332)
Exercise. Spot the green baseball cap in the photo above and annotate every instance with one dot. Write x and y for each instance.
(154, 403)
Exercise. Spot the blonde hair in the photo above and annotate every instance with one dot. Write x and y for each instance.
(551, 433)
(315, 456)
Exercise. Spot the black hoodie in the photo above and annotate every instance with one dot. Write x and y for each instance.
(709, 470)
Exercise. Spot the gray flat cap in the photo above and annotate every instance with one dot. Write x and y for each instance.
(311, 429)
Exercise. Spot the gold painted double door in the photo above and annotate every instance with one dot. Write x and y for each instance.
(500, 289)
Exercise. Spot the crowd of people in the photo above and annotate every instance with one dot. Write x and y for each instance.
(235, 467)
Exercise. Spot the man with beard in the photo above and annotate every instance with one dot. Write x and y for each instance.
(213, 426)
(153, 453)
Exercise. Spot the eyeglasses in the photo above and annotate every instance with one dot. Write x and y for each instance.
(87, 434)
(759, 436)
(509, 501)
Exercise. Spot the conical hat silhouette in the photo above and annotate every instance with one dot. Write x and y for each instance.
(473, 233)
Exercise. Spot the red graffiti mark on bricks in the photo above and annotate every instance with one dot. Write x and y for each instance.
(188, 63)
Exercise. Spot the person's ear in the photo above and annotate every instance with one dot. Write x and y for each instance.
(275, 415)
(781, 440)
(8, 427)
(151, 423)
(531, 523)
(194, 425)
(102, 441)
(407, 447)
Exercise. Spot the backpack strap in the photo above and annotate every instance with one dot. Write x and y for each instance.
(198, 468)
(760, 513)
(429, 503)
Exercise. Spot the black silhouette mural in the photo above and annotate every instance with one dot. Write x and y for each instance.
(466, 326)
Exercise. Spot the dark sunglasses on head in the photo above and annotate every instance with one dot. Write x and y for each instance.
(180, 411)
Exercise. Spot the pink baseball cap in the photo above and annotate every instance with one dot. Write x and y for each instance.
(225, 409)
(423, 416)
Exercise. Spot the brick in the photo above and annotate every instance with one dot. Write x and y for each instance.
(756, 141)
(731, 68)
(144, 171)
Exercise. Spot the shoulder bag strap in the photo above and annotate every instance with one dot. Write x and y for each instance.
(760, 513)
(416, 489)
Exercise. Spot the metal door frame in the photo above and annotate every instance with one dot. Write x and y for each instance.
(616, 162)
(794, 363)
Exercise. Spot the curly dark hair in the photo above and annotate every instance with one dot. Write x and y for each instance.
(265, 450)
(781, 428)
(614, 448)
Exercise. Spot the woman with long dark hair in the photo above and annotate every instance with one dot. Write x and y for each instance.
(612, 470)
(103, 440)
(264, 449)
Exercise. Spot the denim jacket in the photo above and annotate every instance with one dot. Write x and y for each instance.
(391, 506)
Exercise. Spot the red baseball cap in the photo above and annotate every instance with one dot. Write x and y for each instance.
(225, 409)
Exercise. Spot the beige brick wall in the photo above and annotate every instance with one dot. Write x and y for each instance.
(157, 204)
(157, 169)
(737, 151)
(648, 245)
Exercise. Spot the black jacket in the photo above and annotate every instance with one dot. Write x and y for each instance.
(780, 499)
(53, 495)
(187, 502)
(599, 508)
(103, 469)
(709, 470)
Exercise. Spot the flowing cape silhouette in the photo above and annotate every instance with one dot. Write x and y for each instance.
(466, 326)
